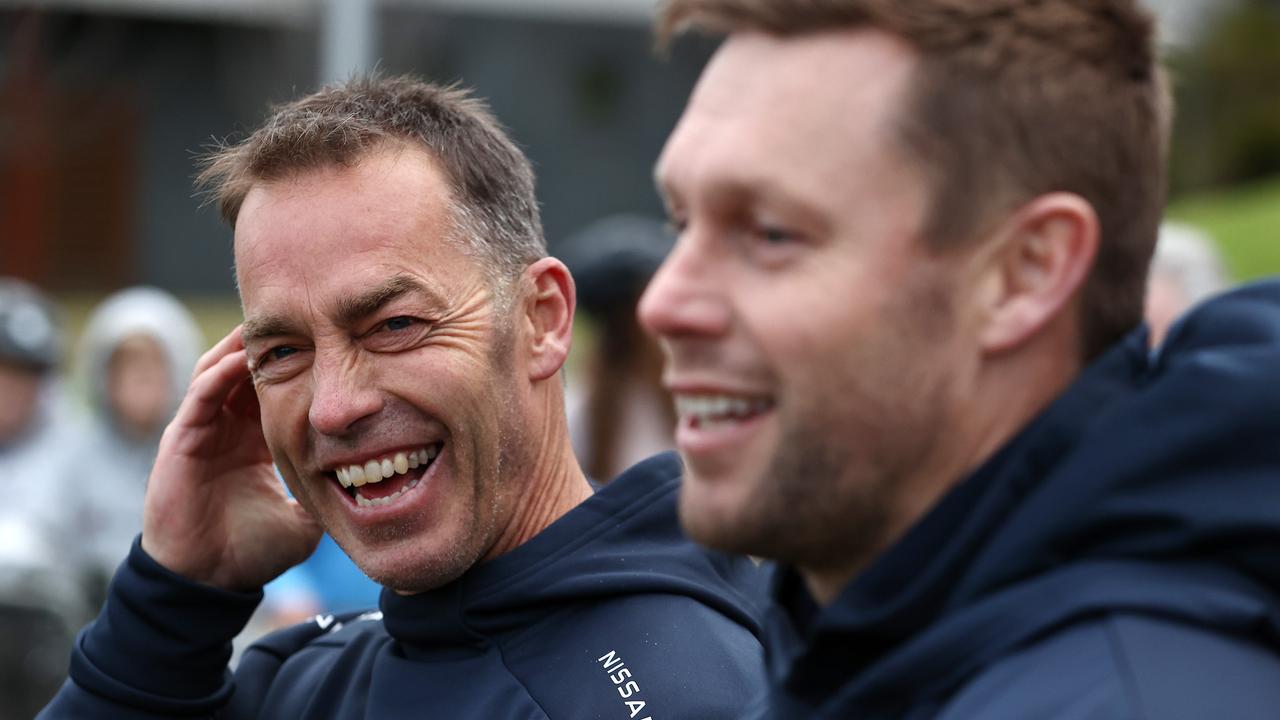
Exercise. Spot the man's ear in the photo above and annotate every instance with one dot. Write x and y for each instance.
(1047, 249)
(549, 311)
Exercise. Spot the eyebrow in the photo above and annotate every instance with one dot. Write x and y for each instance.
(728, 191)
(350, 310)
(353, 309)
(266, 326)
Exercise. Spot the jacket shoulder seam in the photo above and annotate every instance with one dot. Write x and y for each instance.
(502, 657)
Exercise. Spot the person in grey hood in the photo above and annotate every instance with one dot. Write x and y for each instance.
(136, 356)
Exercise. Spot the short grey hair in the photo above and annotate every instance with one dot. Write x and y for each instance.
(494, 207)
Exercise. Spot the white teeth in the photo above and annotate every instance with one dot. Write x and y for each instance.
(363, 501)
(713, 411)
(715, 424)
(374, 471)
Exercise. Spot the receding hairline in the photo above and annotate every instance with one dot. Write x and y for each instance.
(232, 201)
(444, 192)
(393, 147)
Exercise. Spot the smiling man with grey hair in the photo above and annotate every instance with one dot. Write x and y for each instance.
(400, 363)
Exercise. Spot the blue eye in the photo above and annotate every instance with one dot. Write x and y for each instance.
(282, 352)
(398, 323)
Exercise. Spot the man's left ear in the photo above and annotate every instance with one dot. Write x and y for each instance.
(549, 311)
(1048, 249)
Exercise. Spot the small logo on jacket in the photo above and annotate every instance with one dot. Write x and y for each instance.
(628, 689)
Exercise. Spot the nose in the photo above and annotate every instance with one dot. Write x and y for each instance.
(686, 297)
(341, 397)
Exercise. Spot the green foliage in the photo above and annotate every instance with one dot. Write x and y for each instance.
(1228, 89)
(1245, 221)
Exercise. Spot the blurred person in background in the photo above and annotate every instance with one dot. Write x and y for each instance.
(902, 322)
(42, 598)
(30, 390)
(135, 359)
(619, 413)
(1186, 270)
(400, 363)
(36, 426)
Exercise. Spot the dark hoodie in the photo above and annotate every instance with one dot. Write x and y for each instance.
(1119, 558)
(608, 613)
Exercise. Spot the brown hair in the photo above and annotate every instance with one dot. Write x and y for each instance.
(494, 206)
(1013, 99)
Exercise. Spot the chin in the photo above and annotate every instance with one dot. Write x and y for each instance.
(711, 517)
(408, 567)
(410, 578)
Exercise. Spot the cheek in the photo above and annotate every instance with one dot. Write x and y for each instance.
(284, 412)
(444, 384)
(802, 328)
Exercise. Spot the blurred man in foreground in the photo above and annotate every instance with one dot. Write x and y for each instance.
(400, 360)
(913, 244)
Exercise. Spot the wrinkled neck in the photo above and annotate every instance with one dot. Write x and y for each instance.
(554, 482)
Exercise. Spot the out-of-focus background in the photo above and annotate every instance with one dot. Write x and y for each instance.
(105, 104)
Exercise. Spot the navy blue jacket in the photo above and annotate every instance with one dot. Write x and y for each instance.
(1119, 559)
(608, 613)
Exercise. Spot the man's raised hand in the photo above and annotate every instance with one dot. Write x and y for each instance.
(215, 511)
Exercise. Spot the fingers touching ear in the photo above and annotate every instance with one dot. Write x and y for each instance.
(549, 312)
(1048, 249)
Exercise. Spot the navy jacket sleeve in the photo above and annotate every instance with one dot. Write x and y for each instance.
(159, 648)
(1126, 666)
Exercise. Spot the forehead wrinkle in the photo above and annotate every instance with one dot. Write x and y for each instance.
(351, 310)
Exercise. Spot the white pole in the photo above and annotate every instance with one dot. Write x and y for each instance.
(347, 38)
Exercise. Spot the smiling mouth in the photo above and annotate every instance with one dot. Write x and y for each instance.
(380, 481)
(707, 411)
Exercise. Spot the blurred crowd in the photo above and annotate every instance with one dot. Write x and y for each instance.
(76, 463)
